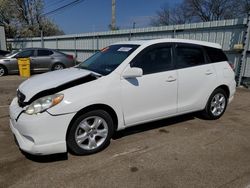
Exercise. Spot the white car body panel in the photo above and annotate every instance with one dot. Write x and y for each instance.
(41, 133)
(195, 96)
(50, 80)
(142, 99)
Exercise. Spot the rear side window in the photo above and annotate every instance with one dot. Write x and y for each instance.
(44, 52)
(215, 55)
(189, 56)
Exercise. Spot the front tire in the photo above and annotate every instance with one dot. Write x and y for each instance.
(216, 105)
(90, 133)
(3, 71)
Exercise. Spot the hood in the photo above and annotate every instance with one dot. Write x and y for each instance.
(2, 58)
(53, 82)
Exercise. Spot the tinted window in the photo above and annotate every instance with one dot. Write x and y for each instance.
(108, 59)
(188, 56)
(154, 60)
(44, 52)
(216, 55)
(26, 53)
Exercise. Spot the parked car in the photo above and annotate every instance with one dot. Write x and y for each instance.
(125, 84)
(41, 60)
(3, 52)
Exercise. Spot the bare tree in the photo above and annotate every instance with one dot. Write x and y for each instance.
(6, 18)
(244, 7)
(162, 16)
(209, 10)
(24, 18)
(179, 15)
(201, 10)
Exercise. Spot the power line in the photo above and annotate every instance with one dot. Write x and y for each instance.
(63, 7)
(55, 3)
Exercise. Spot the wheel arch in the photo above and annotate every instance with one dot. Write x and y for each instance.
(89, 108)
(222, 86)
(225, 88)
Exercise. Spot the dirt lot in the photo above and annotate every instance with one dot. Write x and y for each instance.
(179, 152)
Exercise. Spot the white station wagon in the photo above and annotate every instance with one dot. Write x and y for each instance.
(125, 84)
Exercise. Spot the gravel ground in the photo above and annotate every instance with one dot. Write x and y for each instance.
(178, 152)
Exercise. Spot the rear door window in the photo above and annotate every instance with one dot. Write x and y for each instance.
(189, 55)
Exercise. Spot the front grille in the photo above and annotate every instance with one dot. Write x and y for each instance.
(20, 98)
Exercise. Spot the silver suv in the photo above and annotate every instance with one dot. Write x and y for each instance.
(41, 60)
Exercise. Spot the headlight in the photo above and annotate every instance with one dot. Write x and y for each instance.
(44, 103)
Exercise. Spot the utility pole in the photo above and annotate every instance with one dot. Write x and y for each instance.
(41, 33)
(42, 40)
(134, 23)
(113, 23)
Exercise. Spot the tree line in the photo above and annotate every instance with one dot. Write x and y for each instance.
(25, 18)
(190, 11)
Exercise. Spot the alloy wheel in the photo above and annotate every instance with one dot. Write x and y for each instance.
(91, 132)
(218, 104)
(58, 67)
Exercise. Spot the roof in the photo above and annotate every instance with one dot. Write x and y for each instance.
(37, 48)
(171, 40)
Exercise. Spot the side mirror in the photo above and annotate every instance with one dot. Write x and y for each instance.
(132, 72)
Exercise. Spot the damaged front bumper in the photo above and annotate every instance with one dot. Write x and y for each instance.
(39, 134)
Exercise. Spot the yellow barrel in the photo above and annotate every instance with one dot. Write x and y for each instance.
(24, 67)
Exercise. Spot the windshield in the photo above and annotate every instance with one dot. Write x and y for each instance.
(108, 59)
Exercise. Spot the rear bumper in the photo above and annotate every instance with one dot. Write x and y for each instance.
(40, 134)
(230, 99)
(232, 89)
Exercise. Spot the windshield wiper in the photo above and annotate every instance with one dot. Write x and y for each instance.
(96, 74)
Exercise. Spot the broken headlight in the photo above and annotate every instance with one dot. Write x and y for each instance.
(44, 103)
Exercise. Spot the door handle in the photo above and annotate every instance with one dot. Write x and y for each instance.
(171, 79)
(209, 72)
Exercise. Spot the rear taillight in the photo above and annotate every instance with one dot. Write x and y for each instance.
(231, 65)
(71, 57)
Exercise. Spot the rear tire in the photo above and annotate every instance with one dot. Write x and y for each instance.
(58, 66)
(90, 133)
(3, 70)
(216, 105)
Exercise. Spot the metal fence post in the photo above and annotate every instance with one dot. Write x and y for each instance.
(243, 61)
(97, 42)
(75, 49)
(42, 40)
